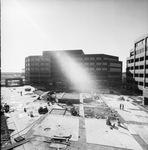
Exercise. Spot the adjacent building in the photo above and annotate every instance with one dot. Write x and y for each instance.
(53, 67)
(137, 67)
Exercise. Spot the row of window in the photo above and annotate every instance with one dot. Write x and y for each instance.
(139, 51)
(141, 75)
(37, 64)
(99, 63)
(142, 42)
(37, 59)
(96, 58)
(91, 69)
(86, 63)
(37, 69)
(137, 59)
(137, 75)
(79, 58)
(137, 83)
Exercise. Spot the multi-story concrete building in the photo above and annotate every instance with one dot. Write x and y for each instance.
(137, 67)
(65, 67)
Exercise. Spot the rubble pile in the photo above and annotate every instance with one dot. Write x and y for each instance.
(5, 136)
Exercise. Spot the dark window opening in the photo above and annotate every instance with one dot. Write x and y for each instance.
(137, 59)
(146, 84)
(132, 60)
(141, 67)
(136, 75)
(141, 83)
(141, 58)
(136, 67)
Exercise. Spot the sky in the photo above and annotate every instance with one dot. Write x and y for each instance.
(29, 27)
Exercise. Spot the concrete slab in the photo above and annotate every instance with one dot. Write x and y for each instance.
(22, 122)
(142, 130)
(97, 132)
(130, 129)
(58, 125)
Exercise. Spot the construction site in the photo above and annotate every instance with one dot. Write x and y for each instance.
(32, 119)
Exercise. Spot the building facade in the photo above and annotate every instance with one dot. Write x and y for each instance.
(52, 67)
(137, 67)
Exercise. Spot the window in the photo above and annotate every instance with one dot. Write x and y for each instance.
(128, 62)
(80, 58)
(36, 69)
(98, 69)
(36, 63)
(86, 63)
(98, 63)
(146, 66)
(136, 67)
(132, 54)
(137, 59)
(46, 69)
(115, 70)
(141, 67)
(115, 64)
(104, 69)
(146, 84)
(91, 68)
(92, 63)
(98, 58)
(107, 58)
(32, 64)
(86, 68)
(104, 63)
(141, 83)
(132, 68)
(132, 60)
(92, 58)
(141, 58)
(141, 75)
(136, 75)
(146, 75)
(86, 58)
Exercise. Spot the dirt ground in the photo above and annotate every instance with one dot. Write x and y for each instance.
(100, 110)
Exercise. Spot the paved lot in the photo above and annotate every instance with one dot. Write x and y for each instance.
(88, 133)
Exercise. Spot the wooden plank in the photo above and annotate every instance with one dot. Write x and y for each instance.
(16, 144)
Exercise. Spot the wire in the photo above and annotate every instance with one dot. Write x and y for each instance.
(26, 127)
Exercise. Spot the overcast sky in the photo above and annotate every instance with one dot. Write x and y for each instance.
(29, 27)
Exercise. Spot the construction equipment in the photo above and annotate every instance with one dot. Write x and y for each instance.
(60, 140)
